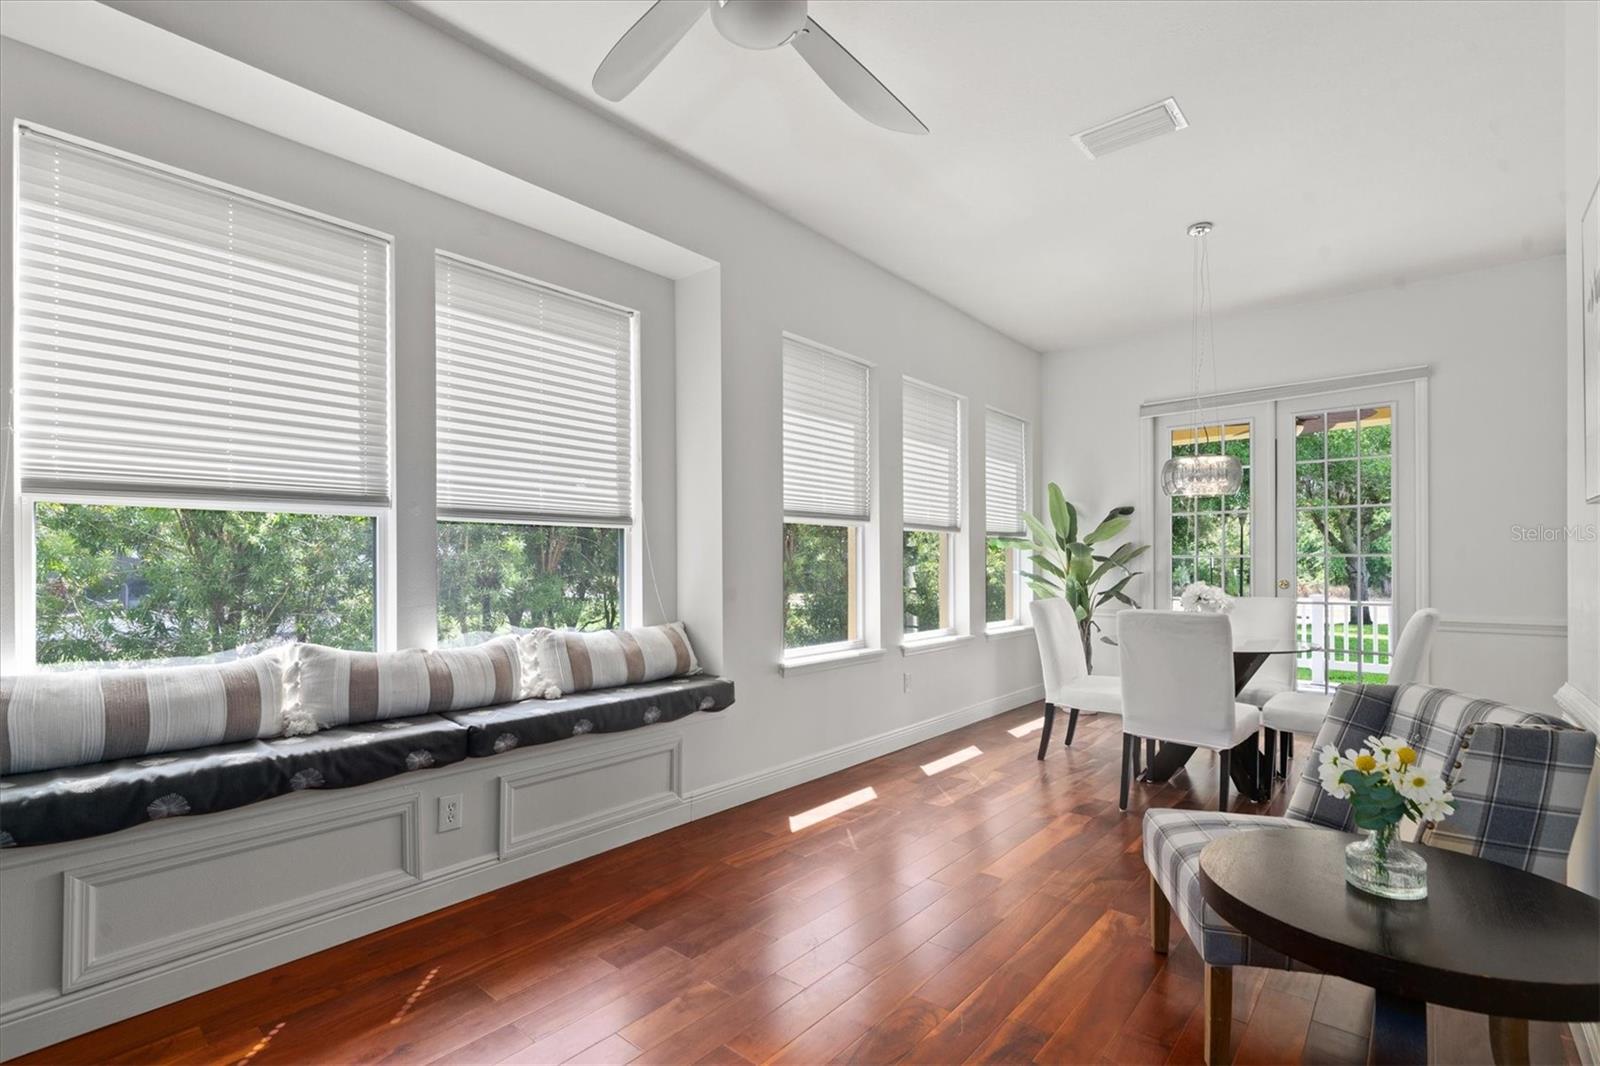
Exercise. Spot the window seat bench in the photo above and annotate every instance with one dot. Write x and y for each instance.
(52, 806)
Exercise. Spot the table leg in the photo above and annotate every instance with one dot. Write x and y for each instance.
(1169, 759)
(1508, 1040)
(1399, 1031)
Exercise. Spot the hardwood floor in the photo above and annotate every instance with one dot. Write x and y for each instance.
(994, 911)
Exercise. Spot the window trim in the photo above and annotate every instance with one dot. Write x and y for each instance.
(25, 629)
(856, 566)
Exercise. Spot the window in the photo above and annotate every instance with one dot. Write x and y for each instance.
(931, 458)
(534, 452)
(1005, 470)
(1211, 535)
(1344, 544)
(827, 448)
(202, 412)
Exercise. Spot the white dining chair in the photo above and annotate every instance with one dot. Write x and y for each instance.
(1177, 686)
(1294, 712)
(1067, 681)
(1264, 618)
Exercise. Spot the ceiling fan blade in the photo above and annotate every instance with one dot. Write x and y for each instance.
(646, 44)
(852, 82)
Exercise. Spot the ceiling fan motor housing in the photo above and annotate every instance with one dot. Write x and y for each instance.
(759, 24)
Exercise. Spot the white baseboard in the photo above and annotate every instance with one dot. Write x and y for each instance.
(38, 1021)
(706, 801)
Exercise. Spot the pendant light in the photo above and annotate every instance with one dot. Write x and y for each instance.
(1195, 474)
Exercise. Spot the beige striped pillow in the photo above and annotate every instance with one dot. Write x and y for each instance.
(51, 720)
(571, 661)
(331, 687)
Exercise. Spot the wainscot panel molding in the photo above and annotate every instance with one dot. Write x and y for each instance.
(1504, 627)
(45, 998)
(123, 918)
(646, 773)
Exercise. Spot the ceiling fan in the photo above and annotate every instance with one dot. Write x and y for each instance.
(756, 24)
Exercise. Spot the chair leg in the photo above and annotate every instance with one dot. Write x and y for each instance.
(1224, 777)
(1129, 747)
(1072, 724)
(1049, 720)
(1287, 748)
(1149, 750)
(1269, 742)
(1508, 1040)
(1160, 918)
(1219, 1013)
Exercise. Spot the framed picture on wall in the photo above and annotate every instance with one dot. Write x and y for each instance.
(1590, 228)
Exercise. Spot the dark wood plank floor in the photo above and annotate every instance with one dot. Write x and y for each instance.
(992, 912)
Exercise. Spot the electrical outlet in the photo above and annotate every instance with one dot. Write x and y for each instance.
(449, 813)
(905, 682)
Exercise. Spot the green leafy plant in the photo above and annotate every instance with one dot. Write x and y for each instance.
(1066, 565)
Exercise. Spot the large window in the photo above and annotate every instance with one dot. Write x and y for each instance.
(534, 452)
(202, 412)
(930, 454)
(827, 448)
(1211, 535)
(1005, 469)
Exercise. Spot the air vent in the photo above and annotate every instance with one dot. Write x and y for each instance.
(1131, 129)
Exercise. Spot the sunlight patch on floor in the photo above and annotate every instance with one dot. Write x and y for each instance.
(806, 819)
(955, 758)
(1027, 727)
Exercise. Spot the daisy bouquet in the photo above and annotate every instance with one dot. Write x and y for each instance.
(1385, 783)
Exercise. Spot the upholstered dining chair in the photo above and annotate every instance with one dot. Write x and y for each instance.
(1519, 780)
(1177, 685)
(1265, 618)
(1291, 712)
(1067, 681)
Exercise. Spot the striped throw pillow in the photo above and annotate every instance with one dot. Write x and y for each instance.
(51, 720)
(571, 661)
(330, 687)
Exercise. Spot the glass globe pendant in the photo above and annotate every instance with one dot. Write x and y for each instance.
(1196, 474)
(1201, 475)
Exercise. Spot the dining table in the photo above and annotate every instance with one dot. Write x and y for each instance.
(1251, 777)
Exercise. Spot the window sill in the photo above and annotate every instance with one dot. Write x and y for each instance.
(809, 664)
(923, 645)
(1001, 632)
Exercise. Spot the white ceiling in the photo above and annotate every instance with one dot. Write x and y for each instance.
(1336, 145)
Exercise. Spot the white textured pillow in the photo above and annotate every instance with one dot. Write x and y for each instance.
(332, 687)
(568, 660)
(50, 720)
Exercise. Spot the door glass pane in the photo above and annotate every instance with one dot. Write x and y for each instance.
(1344, 527)
(1210, 536)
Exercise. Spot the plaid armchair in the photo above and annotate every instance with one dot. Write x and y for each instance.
(1518, 777)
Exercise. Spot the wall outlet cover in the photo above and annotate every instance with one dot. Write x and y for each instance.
(449, 813)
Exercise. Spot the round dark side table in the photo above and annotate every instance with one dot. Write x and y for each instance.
(1488, 938)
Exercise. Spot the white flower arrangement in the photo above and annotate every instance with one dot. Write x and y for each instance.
(1384, 783)
(1198, 596)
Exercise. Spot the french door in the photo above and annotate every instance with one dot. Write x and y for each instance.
(1323, 515)
(1346, 543)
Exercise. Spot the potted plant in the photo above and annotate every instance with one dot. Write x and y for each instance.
(1066, 565)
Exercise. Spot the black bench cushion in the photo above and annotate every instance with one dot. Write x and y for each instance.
(56, 805)
(492, 730)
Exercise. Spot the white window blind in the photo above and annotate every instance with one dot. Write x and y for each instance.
(181, 340)
(535, 401)
(1005, 470)
(931, 458)
(827, 436)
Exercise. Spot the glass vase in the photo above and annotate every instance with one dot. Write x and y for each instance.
(1379, 864)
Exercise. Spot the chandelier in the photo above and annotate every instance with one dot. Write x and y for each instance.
(1196, 474)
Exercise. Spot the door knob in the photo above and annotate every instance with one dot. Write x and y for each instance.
(1283, 582)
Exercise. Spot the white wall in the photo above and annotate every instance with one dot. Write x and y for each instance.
(772, 275)
(1494, 341)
